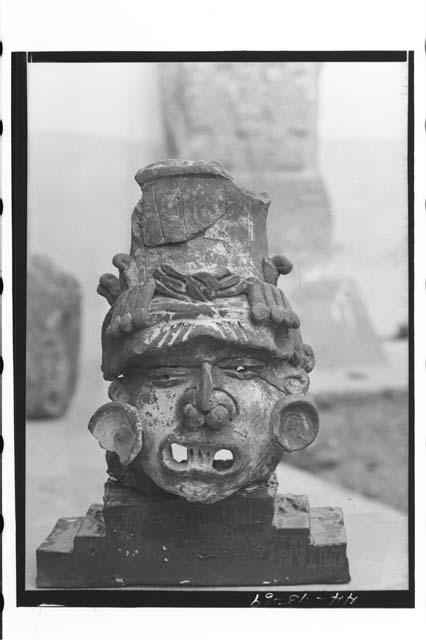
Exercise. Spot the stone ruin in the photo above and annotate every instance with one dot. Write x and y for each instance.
(53, 338)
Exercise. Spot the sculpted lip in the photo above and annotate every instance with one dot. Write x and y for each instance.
(188, 457)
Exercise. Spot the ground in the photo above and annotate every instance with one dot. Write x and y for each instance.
(362, 444)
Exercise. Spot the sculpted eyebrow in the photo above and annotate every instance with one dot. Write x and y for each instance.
(170, 367)
(247, 360)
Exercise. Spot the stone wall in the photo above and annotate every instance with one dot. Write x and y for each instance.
(53, 338)
(260, 121)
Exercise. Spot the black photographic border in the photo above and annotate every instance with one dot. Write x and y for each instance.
(300, 598)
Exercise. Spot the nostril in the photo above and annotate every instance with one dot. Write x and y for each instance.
(192, 418)
(218, 418)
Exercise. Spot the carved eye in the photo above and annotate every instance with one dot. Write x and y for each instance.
(247, 372)
(168, 376)
(243, 370)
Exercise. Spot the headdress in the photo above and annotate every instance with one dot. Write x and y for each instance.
(198, 266)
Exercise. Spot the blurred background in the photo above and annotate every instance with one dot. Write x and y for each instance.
(327, 142)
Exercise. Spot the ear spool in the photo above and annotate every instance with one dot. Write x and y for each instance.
(295, 422)
(117, 427)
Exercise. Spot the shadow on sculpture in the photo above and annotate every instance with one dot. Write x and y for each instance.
(209, 386)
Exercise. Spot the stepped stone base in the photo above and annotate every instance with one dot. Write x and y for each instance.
(252, 538)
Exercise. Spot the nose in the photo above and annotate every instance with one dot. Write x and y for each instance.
(204, 387)
(205, 405)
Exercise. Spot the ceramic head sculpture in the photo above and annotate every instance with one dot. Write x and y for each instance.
(209, 387)
(208, 370)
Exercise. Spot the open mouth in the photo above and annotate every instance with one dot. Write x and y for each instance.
(198, 458)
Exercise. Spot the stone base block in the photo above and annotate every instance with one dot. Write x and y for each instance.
(250, 539)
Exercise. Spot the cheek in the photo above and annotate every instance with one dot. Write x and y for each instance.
(158, 411)
(255, 402)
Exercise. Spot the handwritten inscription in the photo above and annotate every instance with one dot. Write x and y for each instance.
(332, 599)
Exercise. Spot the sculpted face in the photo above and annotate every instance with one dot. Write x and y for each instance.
(205, 413)
(208, 414)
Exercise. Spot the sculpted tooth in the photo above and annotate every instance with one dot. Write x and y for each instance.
(179, 453)
(223, 454)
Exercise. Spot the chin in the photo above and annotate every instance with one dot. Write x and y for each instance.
(202, 492)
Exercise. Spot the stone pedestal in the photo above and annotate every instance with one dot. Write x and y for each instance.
(253, 538)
